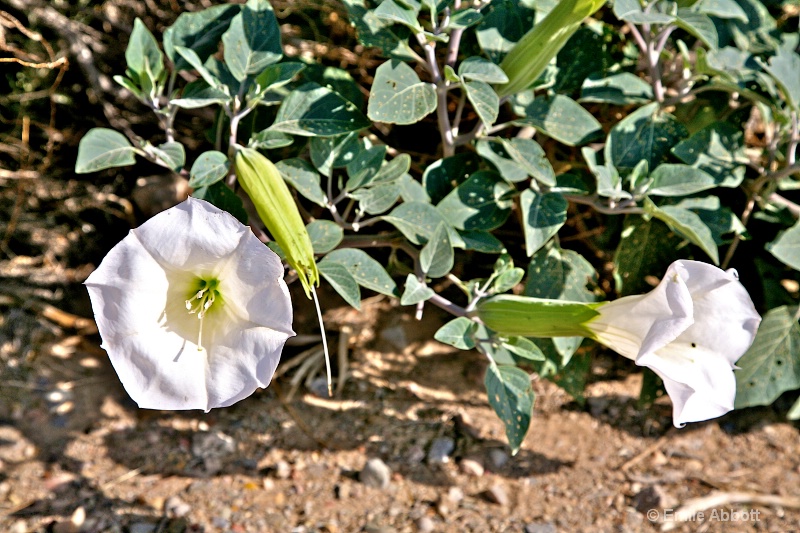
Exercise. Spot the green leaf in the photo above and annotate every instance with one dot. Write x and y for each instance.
(688, 224)
(378, 198)
(501, 28)
(412, 191)
(495, 151)
(531, 157)
(366, 271)
(276, 76)
(142, 54)
(785, 68)
(444, 175)
(415, 291)
(718, 150)
(699, 25)
(523, 347)
(724, 9)
(270, 140)
(624, 88)
(480, 69)
(398, 96)
(645, 134)
(483, 202)
(679, 180)
(457, 333)
(223, 197)
(374, 31)
(200, 94)
(511, 396)
(786, 248)
(172, 154)
(561, 118)
(328, 153)
(557, 274)
(199, 31)
(481, 241)
(103, 148)
(253, 40)
(484, 100)
(631, 11)
(646, 247)
(209, 168)
(416, 220)
(542, 217)
(464, 18)
(342, 282)
(508, 280)
(436, 257)
(305, 180)
(325, 235)
(364, 167)
(771, 366)
(194, 60)
(312, 110)
(391, 11)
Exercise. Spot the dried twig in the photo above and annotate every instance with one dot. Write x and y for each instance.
(692, 507)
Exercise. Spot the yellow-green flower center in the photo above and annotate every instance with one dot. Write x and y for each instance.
(205, 293)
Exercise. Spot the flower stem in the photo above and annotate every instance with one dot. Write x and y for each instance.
(324, 341)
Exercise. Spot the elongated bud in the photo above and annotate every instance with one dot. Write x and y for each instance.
(530, 56)
(262, 181)
(534, 317)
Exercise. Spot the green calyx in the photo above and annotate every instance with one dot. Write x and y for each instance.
(535, 317)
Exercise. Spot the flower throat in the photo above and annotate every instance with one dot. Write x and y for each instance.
(199, 304)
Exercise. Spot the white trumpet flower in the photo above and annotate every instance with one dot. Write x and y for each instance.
(690, 330)
(192, 309)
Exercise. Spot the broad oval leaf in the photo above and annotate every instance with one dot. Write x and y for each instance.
(511, 396)
(436, 257)
(302, 176)
(542, 217)
(457, 333)
(342, 282)
(103, 148)
(199, 31)
(415, 291)
(253, 40)
(679, 180)
(312, 110)
(210, 167)
(325, 235)
(398, 96)
(366, 271)
(480, 203)
(786, 248)
(561, 118)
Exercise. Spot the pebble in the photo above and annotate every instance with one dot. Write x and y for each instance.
(455, 495)
(440, 450)
(652, 497)
(282, 470)
(375, 474)
(540, 527)
(498, 458)
(142, 527)
(319, 387)
(425, 525)
(176, 508)
(471, 467)
(211, 447)
(497, 494)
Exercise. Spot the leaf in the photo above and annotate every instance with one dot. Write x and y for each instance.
(223, 197)
(270, 140)
(501, 28)
(172, 154)
(557, 274)
(457, 333)
(328, 153)
(465, 18)
(253, 40)
(587, 52)
(481, 241)
(771, 366)
(209, 168)
(374, 31)
(699, 25)
(645, 247)
(483, 99)
(561, 118)
(631, 11)
(494, 150)
(444, 175)
(416, 220)
(525, 348)
(103, 148)
(377, 199)
(391, 11)
(511, 396)
(364, 167)
(342, 282)
(302, 176)
(480, 203)
(542, 217)
(531, 157)
(277, 75)
(192, 59)
(724, 9)
(645, 134)
(480, 69)
(786, 248)
(200, 31)
(142, 54)
(618, 89)
(412, 191)
(785, 68)
(200, 94)
(415, 291)
(325, 235)
(398, 96)
(436, 257)
(718, 150)
(366, 271)
(687, 224)
(312, 110)
(679, 180)
(508, 280)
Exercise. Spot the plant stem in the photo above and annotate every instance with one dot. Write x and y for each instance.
(445, 130)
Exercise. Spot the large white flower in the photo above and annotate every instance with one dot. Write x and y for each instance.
(690, 330)
(192, 309)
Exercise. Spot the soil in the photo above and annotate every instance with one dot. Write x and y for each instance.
(77, 455)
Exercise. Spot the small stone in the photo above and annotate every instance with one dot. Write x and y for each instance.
(142, 527)
(220, 522)
(212, 445)
(174, 507)
(540, 527)
(498, 458)
(282, 470)
(319, 387)
(440, 450)
(497, 494)
(375, 474)
(415, 455)
(425, 525)
(471, 467)
(455, 495)
(341, 491)
(652, 497)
